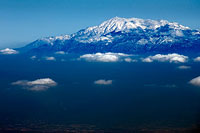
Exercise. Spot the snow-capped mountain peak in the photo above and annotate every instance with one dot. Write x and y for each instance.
(124, 35)
(122, 24)
(117, 24)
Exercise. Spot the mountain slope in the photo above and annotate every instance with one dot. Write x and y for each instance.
(125, 36)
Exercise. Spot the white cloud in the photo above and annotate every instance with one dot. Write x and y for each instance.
(8, 51)
(148, 59)
(197, 59)
(36, 85)
(60, 52)
(50, 58)
(195, 81)
(184, 67)
(163, 86)
(129, 60)
(169, 86)
(103, 82)
(103, 57)
(33, 57)
(172, 58)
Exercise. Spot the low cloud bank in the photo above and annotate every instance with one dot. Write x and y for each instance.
(172, 58)
(103, 82)
(106, 57)
(8, 51)
(195, 81)
(36, 85)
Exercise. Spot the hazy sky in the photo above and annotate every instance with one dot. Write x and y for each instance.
(23, 21)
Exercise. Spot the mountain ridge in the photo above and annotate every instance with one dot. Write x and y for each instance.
(123, 35)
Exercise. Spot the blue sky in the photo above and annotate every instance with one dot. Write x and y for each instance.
(23, 21)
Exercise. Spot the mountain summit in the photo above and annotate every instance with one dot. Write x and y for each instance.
(123, 35)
